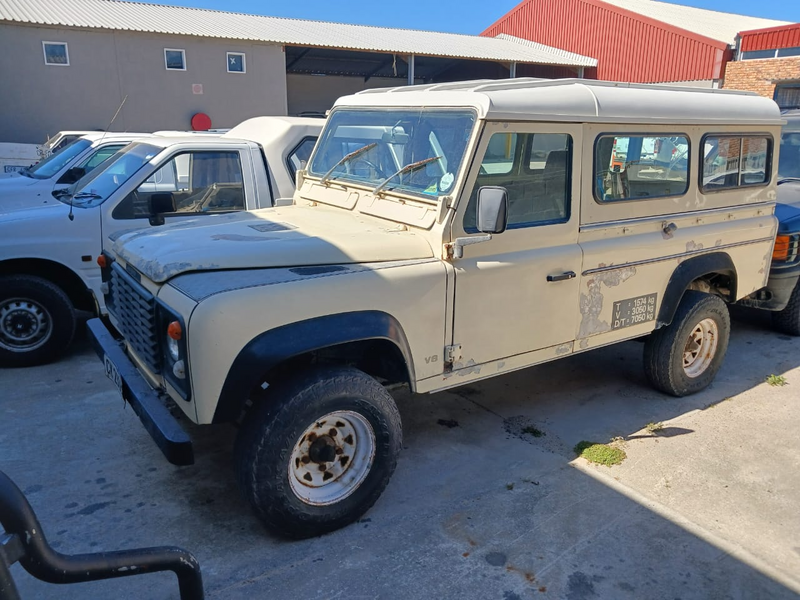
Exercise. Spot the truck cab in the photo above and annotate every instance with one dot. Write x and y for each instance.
(440, 235)
(49, 249)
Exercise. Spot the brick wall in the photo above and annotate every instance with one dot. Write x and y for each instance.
(760, 76)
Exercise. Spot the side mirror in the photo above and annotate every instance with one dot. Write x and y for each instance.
(72, 175)
(492, 209)
(158, 204)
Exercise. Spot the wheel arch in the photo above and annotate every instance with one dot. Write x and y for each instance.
(54, 272)
(698, 268)
(338, 335)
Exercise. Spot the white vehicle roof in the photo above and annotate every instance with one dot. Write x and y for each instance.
(98, 136)
(578, 100)
(276, 130)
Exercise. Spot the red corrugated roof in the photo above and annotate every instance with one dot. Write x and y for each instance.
(787, 36)
(628, 45)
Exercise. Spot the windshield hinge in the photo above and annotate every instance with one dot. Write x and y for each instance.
(452, 353)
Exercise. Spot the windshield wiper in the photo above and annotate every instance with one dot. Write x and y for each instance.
(83, 195)
(787, 179)
(407, 169)
(347, 158)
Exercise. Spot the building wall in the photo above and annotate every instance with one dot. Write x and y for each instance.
(760, 76)
(628, 46)
(106, 67)
(787, 36)
(318, 92)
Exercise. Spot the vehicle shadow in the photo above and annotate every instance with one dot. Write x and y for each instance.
(479, 507)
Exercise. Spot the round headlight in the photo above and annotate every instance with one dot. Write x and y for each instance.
(173, 349)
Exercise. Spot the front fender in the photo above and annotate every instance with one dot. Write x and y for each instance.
(272, 347)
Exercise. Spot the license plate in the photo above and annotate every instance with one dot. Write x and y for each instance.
(112, 373)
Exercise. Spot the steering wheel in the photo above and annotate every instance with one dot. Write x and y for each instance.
(372, 165)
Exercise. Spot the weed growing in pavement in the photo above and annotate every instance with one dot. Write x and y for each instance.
(777, 380)
(654, 427)
(602, 454)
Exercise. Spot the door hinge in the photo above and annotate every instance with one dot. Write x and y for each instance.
(452, 353)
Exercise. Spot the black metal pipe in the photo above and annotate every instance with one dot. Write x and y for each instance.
(41, 561)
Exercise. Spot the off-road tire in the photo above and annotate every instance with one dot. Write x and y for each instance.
(273, 426)
(62, 318)
(788, 320)
(663, 350)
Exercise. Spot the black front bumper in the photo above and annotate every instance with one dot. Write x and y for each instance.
(165, 430)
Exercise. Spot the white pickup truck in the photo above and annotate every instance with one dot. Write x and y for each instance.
(42, 181)
(49, 248)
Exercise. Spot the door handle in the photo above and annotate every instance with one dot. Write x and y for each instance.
(562, 277)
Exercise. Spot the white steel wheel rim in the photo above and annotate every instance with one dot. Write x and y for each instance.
(331, 458)
(701, 348)
(24, 325)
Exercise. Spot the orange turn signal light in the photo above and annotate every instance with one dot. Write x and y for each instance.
(174, 330)
(102, 261)
(781, 249)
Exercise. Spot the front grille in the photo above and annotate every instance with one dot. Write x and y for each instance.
(135, 310)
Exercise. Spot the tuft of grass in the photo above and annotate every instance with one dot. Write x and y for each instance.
(777, 380)
(509, 486)
(534, 431)
(602, 454)
(654, 427)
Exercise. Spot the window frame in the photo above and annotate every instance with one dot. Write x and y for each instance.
(228, 64)
(289, 165)
(66, 53)
(768, 167)
(183, 55)
(170, 159)
(524, 156)
(630, 134)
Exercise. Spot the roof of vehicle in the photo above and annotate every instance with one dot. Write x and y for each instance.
(579, 100)
(112, 136)
(264, 131)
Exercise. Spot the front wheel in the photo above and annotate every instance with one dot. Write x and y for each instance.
(684, 357)
(37, 321)
(317, 453)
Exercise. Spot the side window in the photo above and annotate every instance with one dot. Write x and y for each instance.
(733, 161)
(200, 183)
(535, 170)
(298, 158)
(634, 167)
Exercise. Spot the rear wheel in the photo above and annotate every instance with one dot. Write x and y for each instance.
(318, 451)
(788, 320)
(37, 321)
(684, 357)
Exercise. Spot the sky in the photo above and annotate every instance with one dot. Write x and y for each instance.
(452, 16)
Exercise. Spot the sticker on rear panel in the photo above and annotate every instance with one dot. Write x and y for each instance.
(634, 311)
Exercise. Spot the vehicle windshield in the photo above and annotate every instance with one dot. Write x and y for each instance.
(789, 161)
(95, 187)
(51, 165)
(396, 138)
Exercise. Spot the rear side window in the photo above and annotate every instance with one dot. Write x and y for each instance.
(734, 161)
(635, 167)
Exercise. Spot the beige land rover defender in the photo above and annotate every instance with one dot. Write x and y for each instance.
(443, 234)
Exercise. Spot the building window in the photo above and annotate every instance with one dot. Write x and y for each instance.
(732, 161)
(56, 53)
(639, 167)
(236, 62)
(175, 59)
(784, 52)
(787, 95)
(771, 53)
